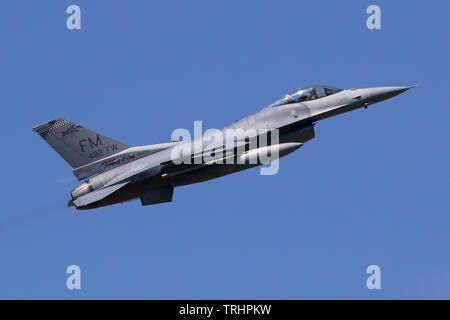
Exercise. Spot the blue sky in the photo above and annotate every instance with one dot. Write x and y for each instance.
(371, 188)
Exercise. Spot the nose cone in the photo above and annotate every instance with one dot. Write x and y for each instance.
(378, 94)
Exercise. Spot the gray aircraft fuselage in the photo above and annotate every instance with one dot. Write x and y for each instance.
(119, 173)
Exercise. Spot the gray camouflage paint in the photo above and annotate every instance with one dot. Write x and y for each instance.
(120, 173)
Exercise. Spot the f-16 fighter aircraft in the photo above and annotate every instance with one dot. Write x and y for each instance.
(118, 173)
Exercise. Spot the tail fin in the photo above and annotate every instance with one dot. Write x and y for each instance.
(77, 145)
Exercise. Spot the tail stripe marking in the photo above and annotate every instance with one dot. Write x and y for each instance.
(49, 126)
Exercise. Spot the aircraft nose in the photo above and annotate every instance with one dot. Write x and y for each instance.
(378, 94)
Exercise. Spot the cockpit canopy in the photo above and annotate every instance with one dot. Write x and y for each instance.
(306, 94)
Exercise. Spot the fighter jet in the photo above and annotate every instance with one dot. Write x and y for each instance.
(117, 173)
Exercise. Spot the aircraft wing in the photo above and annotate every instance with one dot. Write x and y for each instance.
(98, 195)
(197, 159)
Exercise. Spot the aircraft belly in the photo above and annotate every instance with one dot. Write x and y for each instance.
(208, 173)
(297, 133)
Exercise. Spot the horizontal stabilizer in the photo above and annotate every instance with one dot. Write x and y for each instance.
(119, 159)
(97, 195)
